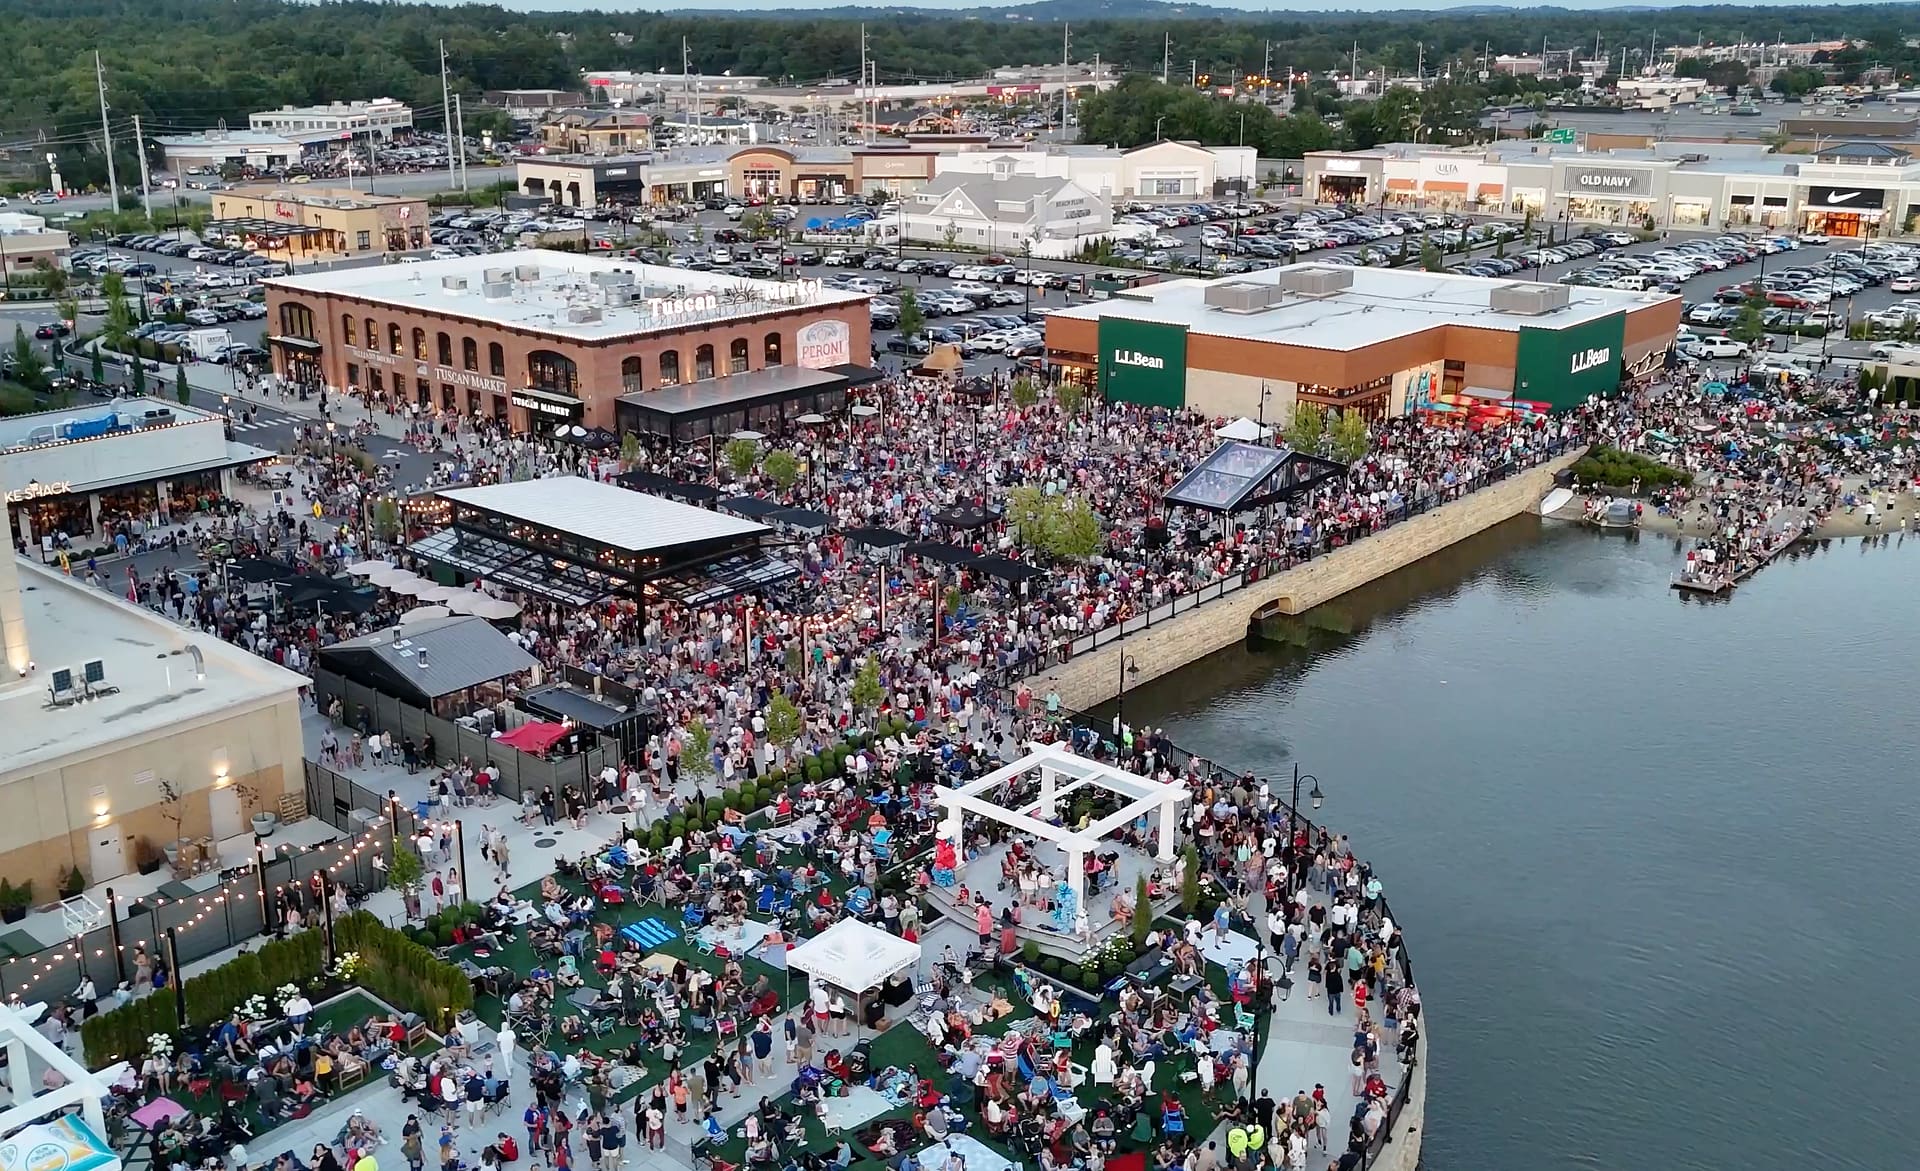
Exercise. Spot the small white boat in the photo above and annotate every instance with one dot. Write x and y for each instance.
(1555, 500)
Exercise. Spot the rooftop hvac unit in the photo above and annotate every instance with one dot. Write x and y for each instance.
(1243, 296)
(496, 290)
(582, 314)
(1528, 299)
(617, 298)
(609, 280)
(453, 284)
(1315, 281)
(494, 275)
(483, 720)
(526, 272)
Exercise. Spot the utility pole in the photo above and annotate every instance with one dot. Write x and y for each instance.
(460, 128)
(106, 132)
(1066, 65)
(864, 91)
(686, 85)
(1166, 58)
(146, 184)
(446, 119)
(1266, 67)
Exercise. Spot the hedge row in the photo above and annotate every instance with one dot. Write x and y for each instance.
(399, 970)
(211, 996)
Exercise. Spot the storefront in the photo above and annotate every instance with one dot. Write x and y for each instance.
(1610, 195)
(1343, 180)
(1851, 211)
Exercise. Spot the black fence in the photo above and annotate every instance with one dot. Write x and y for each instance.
(230, 911)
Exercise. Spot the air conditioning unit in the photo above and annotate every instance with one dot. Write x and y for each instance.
(609, 280)
(617, 298)
(1316, 281)
(1526, 299)
(526, 272)
(582, 314)
(496, 275)
(496, 290)
(1243, 296)
(483, 721)
(453, 284)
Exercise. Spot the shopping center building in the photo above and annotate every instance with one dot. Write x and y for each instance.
(1379, 341)
(1849, 189)
(537, 338)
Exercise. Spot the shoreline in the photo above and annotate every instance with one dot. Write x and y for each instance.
(1693, 521)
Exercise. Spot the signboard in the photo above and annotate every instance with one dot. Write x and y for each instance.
(1560, 134)
(1143, 362)
(1845, 199)
(546, 406)
(825, 343)
(36, 490)
(1564, 366)
(1609, 183)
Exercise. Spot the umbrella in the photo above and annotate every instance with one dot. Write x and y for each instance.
(366, 568)
(560, 432)
(494, 608)
(440, 593)
(750, 436)
(811, 419)
(413, 586)
(863, 410)
(391, 576)
(577, 431)
(423, 613)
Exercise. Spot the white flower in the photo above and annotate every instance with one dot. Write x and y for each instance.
(160, 1045)
(347, 966)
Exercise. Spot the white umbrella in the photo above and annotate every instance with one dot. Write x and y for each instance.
(863, 410)
(369, 568)
(560, 432)
(578, 431)
(391, 576)
(439, 593)
(811, 419)
(495, 608)
(750, 436)
(423, 613)
(463, 601)
(413, 586)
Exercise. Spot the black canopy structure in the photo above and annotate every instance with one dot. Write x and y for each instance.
(876, 538)
(964, 518)
(641, 481)
(1238, 477)
(752, 507)
(422, 662)
(260, 570)
(941, 553)
(1006, 569)
(799, 518)
(329, 595)
(764, 400)
(694, 493)
(589, 438)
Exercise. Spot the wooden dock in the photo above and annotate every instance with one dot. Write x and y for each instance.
(1786, 527)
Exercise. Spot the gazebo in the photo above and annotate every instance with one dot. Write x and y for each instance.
(854, 955)
(1061, 773)
(33, 1121)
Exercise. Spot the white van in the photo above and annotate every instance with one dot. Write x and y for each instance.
(203, 344)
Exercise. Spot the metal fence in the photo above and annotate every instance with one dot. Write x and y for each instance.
(520, 772)
(202, 923)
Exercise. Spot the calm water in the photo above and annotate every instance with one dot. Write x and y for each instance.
(1654, 858)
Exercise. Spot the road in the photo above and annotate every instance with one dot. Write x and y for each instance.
(409, 183)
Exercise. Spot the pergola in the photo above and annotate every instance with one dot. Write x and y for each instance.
(28, 1050)
(1061, 774)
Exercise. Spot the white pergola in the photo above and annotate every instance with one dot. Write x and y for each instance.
(24, 1107)
(1061, 774)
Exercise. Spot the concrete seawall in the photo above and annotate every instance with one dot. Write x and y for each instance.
(1093, 678)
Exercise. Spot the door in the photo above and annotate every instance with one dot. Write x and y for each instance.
(106, 854)
(224, 806)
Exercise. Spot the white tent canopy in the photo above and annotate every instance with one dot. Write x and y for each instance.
(854, 955)
(1244, 430)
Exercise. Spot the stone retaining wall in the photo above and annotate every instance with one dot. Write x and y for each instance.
(1093, 678)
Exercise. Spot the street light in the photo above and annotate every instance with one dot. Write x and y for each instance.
(1293, 812)
(1127, 667)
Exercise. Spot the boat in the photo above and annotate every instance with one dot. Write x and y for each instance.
(1555, 500)
(1612, 515)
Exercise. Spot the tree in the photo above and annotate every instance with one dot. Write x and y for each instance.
(1307, 429)
(783, 721)
(1142, 913)
(781, 468)
(912, 319)
(698, 757)
(386, 520)
(754, 224)
(868, 693)
(1351, 438)
(1429, 256)
(1070, 395)
(119, 312)
(28, 368)
(1189, 879)
(740, 456)
(52, 277)
(181, 390)
(69, 311)
(404, 870)
(99, 367)
(1061, 528)
(950, 233)
(139, 375)
(1024, 392)
(630, 449)
(1749, 326)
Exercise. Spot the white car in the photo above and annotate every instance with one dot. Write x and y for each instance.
(972, 289)
(837, 256)
(1904, 284)
(1815, 238)
(734, 211)
(1722, 347)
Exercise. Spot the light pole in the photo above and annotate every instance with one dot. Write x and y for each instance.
(1127, 667)
(1293, 813)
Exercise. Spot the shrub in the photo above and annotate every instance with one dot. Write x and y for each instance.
(1070, 973)
(403, 973)
(814, 775)
(1091, 979)
(1610, 467)
(1030, 952)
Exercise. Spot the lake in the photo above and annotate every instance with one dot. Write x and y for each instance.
(1651, 855)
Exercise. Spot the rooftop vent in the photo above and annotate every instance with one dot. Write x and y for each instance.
(608, 280)
(1244, 296)
(453, 284)
(582, 314)
(496, 275)
(1315, 281)
(526, 272)
(1528, 299)
(616, 298)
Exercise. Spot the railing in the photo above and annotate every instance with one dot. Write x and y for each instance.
(1297, 554)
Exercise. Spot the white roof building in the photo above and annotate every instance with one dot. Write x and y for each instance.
(1004, 210)
(381, 116)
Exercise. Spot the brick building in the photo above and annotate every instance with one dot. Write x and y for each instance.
(535, 338)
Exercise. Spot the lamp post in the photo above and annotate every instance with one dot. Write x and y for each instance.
(1293, 812)
(1127, 667)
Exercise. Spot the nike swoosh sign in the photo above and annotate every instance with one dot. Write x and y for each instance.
(1843, 197)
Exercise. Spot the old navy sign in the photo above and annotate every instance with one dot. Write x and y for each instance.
(1609, 182)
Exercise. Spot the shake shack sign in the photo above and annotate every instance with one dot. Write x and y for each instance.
(1143, 362)
(1609, 182)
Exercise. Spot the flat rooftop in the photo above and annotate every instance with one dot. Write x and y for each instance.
(16, 431)
(604, 514)
(1382, 304)
(567, 295)
(145, 656)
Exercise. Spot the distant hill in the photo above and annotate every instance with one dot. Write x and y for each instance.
(1042, 11)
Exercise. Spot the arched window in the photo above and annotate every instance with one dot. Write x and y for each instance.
(349, 330)
(772, 350)
(670, 368)
(703, 363)
(419, 345)
(446, 349)
(296, 320)
(630, 376)
(393, 339)
(496, 360)
(372, 335)
(737, 356)
(547, 370)
(469, 354)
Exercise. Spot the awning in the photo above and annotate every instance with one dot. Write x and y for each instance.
(854, 955)
(799, 518)
(940, 553)
(535, 737)
(298, 343)
(1006, 569)
(876, 538)
(1487, 189)
(1400, 184)
(653, 482)
(965, 519)
(752, 507)
(1446, 186)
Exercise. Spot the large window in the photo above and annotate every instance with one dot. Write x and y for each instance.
(496, 360)
(631, 378)
(703, 363)
(372, 334)
(446, 350)
(349, 329)
(469, 354)
(670, 368)
(547, 370)
(772, 350)
(393, 340)
(419, 345)
(296, 320)
(737, 356)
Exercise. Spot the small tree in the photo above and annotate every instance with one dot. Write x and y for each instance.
(950, 233)
(1429, 256)
(1307, 428)
(99, 367)
(1025, 394)
(405, 871)
(697, 759)
(171, 808)
(867, 693)
(181, 390)
(386, 520)
(139, 374)
(912, 320)
(1071, 396)
(1190, 879)
(69, 311)
(781, 468)
(1075, 532)
(740, 456)
(1142, 913)
(630, 449)
(28, 369)
(1351, 439)
(1749, 326)
(119, 313)
(783, 722)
